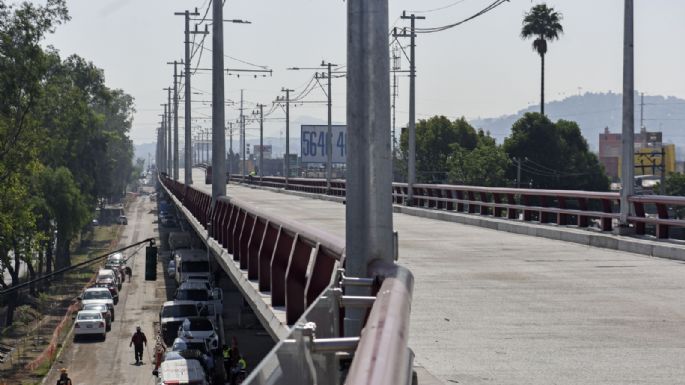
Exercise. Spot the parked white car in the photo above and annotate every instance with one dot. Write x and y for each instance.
(100, 295)
(105, 274)
(181, 371)
(90, 322)
(199, 328)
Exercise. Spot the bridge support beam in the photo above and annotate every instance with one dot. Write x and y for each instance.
(369, 231)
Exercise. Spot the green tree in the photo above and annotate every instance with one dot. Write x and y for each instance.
(544, 24)
(674, 184)
(434, 139)
(553, 156)
(485, 165)
(23, 68)
(67, 206)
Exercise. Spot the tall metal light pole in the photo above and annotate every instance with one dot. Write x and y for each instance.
(368, 211)
(165, 149)
(241, 129)
(218, 105)
(187, 165)
(170, 153)
(230, 147)
(261, 141)
(175, 107)
(286, 161)
(329, 132)
(628, 133)
(208, 142)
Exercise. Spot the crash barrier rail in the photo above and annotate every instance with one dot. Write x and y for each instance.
(650, 213)
(302, 269)
(315, 350)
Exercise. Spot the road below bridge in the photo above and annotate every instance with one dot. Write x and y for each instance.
(492, 307)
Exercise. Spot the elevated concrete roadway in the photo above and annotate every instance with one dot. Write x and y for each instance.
(493, 307)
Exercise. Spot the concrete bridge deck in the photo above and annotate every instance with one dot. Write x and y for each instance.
(493, 307)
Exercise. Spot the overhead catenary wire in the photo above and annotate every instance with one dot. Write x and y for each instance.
(236, 59)
(450, 5)
(483, 11)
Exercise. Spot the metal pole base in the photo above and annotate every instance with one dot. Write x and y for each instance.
(624, 230)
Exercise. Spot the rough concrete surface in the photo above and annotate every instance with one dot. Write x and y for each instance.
(492, 307)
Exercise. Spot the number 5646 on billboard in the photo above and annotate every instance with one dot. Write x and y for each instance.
(313, 143)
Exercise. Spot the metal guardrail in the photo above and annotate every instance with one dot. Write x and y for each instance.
(303, 269)
(562, 207)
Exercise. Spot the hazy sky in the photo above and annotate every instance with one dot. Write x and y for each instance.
(479, 69)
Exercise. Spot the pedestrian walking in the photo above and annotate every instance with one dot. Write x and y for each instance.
(64, 378)
(138, 340)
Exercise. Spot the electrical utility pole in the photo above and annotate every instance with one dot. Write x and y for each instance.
(241, 128)
(412, 101)
(628, 132)
(176, 154)
(642, 112)
(261, 141)
(187, 165)
(170, 143)
(208, 142)
(518, 172)
(159, 146)
(286, 161)
(368, 212)
(218, 104)
(329, 132)
(167, 147)
(396, 66)
(230, 145)
(162, 153)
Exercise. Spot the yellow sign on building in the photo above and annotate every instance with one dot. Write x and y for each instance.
(649, 161)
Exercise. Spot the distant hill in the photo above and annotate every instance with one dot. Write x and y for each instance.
(595, 111)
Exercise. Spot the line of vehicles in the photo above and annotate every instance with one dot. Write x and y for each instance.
(190, 324)
(97, 302)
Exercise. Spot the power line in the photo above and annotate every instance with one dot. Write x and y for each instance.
(485, 10)
(440, 8)
(236, 59)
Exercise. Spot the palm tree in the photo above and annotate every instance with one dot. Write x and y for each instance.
(542, 23)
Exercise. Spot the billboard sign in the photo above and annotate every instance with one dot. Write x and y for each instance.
(268, 150)
(313, 143)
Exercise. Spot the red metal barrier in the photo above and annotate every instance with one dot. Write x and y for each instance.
(266, 252)
(561, 207)
(275, 251)
(296, 278)
(254, 247)
(279, 265)
(244, 239)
